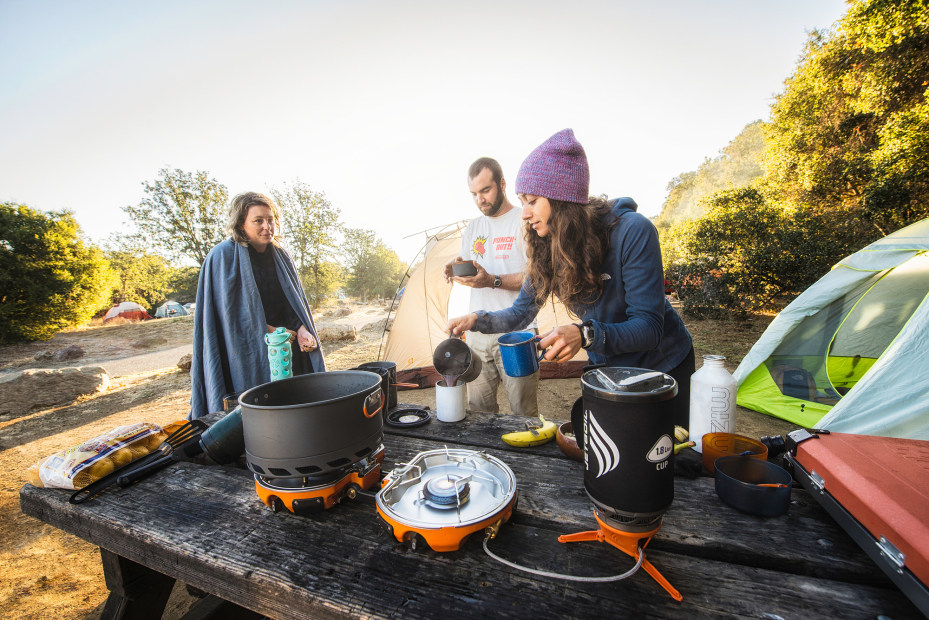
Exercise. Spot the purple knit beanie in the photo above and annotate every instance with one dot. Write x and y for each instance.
(557, 170)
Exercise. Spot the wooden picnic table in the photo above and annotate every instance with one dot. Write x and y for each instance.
(205, 526)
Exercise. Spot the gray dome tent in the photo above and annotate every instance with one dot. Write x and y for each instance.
(170, 309)
(850, 353)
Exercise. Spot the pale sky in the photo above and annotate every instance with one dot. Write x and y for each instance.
(382, 104)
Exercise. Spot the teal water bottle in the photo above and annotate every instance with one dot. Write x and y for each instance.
(279, 354)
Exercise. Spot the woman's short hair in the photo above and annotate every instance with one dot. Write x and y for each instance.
(238, 210)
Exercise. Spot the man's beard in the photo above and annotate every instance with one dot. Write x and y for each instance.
(497, 203)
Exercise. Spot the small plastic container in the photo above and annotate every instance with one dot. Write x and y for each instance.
(716, 445)
(450, 402)
(753, 486)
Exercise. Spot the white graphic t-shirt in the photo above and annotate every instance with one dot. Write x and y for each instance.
(497, 245)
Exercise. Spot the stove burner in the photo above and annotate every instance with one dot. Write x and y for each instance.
(445, 495)
(446, 491)
(311, 494)
(630, 543)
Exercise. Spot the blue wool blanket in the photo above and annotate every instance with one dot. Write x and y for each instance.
(229, 351)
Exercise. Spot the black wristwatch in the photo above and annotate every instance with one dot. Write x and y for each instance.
(497, 282)
(587, 334)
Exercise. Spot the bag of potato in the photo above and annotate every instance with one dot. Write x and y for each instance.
(89, 461)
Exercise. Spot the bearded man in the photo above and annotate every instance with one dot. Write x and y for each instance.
(495, 242)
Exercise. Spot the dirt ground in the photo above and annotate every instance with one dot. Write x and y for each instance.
(47, 573)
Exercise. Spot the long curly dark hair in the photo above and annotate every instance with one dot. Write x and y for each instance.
(568, 262)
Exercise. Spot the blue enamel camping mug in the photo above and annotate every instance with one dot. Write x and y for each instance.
(518, 351)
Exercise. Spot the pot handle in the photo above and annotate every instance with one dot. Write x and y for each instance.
(374, 396)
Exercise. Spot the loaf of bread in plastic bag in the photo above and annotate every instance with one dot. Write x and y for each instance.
(89, 461)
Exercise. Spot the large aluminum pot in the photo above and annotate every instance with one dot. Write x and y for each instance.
(313, 424)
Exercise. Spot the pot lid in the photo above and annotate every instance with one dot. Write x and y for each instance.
(629, 384)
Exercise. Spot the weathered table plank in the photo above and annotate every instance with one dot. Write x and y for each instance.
(205, 526)
(805, 541)
(289, 566)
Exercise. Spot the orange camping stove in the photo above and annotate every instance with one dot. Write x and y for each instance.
(446, 495)
(307, 495)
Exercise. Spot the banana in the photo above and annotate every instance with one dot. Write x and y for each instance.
(680, 446)
(535, 435)
(681, 434)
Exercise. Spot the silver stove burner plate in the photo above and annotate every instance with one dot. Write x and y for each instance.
(491, 482)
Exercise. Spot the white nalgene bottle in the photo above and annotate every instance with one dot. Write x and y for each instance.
(712, 400)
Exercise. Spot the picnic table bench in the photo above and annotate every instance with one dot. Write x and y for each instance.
(205, 526)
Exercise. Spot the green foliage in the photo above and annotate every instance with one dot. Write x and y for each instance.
(845, 158)
(182, 285)
(311, 225)
(49, 279)
(375, 269)
(142, 277)
(739, 163)
(746, 254)
(182, 215)
(849, 133)
(322, 281)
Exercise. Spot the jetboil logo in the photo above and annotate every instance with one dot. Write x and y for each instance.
(598, 443)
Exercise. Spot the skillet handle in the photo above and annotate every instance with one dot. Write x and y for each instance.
(95, 488)
(127, 478)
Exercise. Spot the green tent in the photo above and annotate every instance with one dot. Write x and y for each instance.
(851, 354)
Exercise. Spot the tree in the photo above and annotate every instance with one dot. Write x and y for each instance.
(849, 132)
(310, 227)
(375, 269)
(49, 279)
(182, 286)
(183, 214)
(142, 277)
(746, 254)
(739, 163)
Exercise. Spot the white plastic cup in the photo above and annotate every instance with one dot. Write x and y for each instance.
(450, 402)
(712, 400)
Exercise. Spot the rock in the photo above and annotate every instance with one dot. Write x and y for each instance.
(184, 362)
(338, 334)
(43, 356)
(342, 312)
(21, 392)
(148, 343)
(67, 354)
(376, 326)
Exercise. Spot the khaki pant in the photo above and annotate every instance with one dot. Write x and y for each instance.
(482, 392)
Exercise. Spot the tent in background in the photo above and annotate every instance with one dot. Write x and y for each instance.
(129, 310)
(427, 303)
(170, 309)
(850, 354)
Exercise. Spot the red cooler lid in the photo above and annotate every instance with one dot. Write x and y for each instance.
(883, 482)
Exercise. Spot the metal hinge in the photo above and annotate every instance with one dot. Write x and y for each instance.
(893, 555)
(817, 481)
